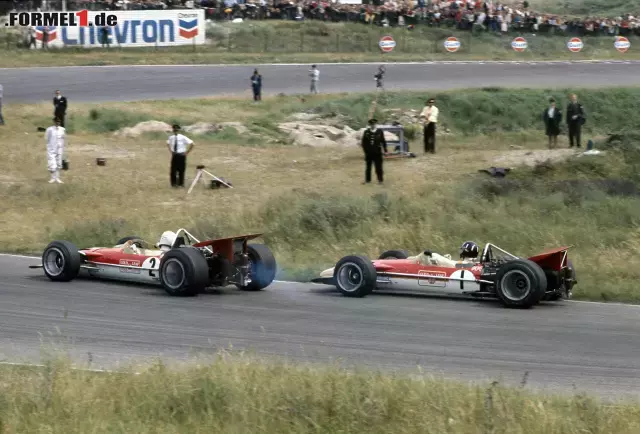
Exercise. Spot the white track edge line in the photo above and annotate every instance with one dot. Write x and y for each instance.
(39, 365)
(426, 62)
(290, 282)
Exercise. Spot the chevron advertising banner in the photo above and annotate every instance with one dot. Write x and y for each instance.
(134, 29)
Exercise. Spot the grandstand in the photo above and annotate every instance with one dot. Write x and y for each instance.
(459, 14)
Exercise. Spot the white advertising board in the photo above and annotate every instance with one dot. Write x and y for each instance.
(135, 29)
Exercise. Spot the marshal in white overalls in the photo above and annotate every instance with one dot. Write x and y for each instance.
(55, 137)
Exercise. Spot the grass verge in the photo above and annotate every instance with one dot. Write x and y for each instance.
(309, 202)
(589, 8)
(239, 394)
(294, 42)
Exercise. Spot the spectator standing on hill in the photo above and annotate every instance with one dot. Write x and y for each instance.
(60, 107)
(379, 77)
(256, 85)
(104, 36)
(1, 95)
(32, 37)
(575, 120)
(45, 37)
(373, 144)
(314, 73)
(552, 116)
(177, 144)
(429, 116)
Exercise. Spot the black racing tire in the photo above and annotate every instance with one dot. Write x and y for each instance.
(355, 276)
(572, 275)
(125, 239)
(520, 283)
(263, 267)
(191, 272)
(544, 282)
(394, 254)
(61, 261)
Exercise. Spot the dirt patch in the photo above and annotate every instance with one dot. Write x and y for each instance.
(103, 151)
(321, 134)
(9, 180)
(144, 127)
(235, 163)
(163, 127)
(532, 158)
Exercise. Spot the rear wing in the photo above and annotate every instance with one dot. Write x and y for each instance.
(554, 259)
(227, 246)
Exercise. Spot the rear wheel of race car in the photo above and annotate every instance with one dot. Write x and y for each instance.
(520, 283)
(572, 275)
(262, 267)
(394, 254)
(355, 276)
(565, 287)
(184, 272)
(125, 239)
(61, 261)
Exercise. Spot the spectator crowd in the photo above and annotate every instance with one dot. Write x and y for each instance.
(462, 14)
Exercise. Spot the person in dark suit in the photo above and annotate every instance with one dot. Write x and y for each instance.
(256, 85)
(180, 146)
(59, 107)
(575, 120)
(552, 116)
(373, 145)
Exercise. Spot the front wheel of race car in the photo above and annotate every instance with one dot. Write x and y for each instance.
(520, 283)
(61, 261)
(262, 267)
(184, 272)
(355, 276)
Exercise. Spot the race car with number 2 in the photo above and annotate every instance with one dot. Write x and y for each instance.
(182, 268)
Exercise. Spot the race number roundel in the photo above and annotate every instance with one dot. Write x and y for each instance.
(451, 44)
(387, 44)
(519, 44)
(622, 44)
(575, 45)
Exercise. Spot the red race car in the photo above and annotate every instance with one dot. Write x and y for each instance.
(181, 268)
(515, 281)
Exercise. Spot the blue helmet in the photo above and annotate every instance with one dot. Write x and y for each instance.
(469, 249)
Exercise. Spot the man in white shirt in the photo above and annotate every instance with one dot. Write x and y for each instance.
(55, 136)
(429, 117)
(1, 94)
(314, 73)
(177, 145)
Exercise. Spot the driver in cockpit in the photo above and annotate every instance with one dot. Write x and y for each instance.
(166, 241)
(468, 254)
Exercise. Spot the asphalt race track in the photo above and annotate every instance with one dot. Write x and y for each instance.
(128, 83)
(595, 347)
(566, 345)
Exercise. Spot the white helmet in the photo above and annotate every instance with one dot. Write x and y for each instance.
(166, 240)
